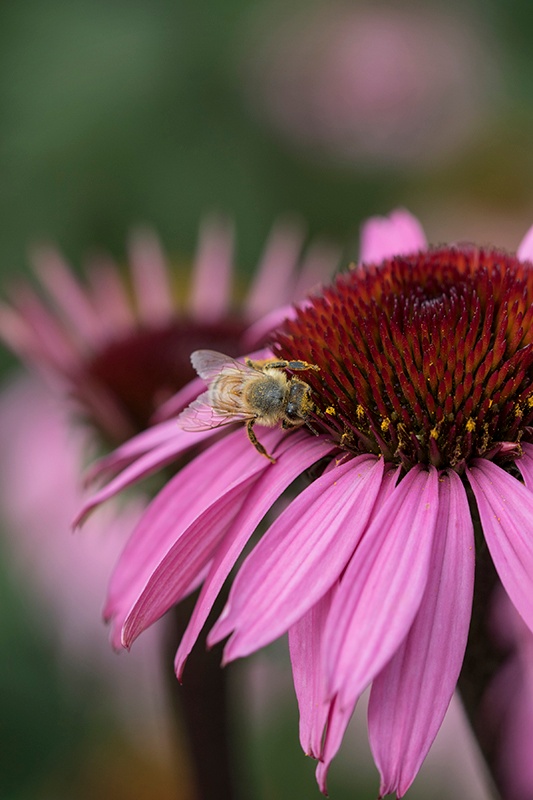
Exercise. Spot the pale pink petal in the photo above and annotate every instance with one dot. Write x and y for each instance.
(525, 465)
(382, 587)
(110, 296)
(506, 511)
(525, 248)
(318, 266)
(296, 453)
(146, 464)
(211, 288)
(72, 300)
(149, 271)
(300, 557)
(200, 484)
(274, 280)
(258, 332)
(396, 235)
(305, 643)
(411, 694)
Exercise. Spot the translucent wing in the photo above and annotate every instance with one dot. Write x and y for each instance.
(201, 416)
(209, 364)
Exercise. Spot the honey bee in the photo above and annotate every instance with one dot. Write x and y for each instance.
(257, 392)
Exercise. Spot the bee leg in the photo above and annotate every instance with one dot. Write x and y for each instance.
(255, 441)
(273, 364)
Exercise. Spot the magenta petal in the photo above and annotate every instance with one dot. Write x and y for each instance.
(506, 511)
(382, 587)
(305, 642)
(301, 452)
(204, 482)
(160, 456)
(411, 694)
(385, 237)
(525, 465)
(172, 578)
(525, 248)
(300, 557)
(338, 719)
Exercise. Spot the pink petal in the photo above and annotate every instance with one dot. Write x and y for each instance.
(305, 642)
(146, 464)
(318, 266)
(148, 440)
(506, 512)
(300, 557)
(338, 719)
(149, 270)
(411, 694)
(382, 587)
(179, 401)
(296, 453)
(202, 483)
(274, 280)
(213, 265)
(71, 299)
(396, 235)
(110, 296)
(174, 572)
(525, 248)
(525, 465)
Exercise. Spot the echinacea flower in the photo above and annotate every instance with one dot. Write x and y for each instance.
(419, 455)
(112, 349)
(119, 348)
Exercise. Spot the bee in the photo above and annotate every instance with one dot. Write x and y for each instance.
(257, 392)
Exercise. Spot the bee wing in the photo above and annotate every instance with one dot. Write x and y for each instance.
(200, 416)
(209, 364)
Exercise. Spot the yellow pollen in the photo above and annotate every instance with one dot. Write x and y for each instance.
(434, 434)
(360, 411)
(530, 401)
(385, 425)
(470, 425)
(331, 411)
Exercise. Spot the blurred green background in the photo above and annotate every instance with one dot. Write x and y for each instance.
(161, 111)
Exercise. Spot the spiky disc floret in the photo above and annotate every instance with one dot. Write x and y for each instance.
(425, 358)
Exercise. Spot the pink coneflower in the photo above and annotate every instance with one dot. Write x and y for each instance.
(119, 347)
(113, 348)
(419, 459)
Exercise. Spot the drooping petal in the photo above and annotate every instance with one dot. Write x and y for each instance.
(525, 465)
(174, 573)
(525, 249)
(300, 557)
(396, 235)
(202, 483)
(158, 457)
(299, 452)
(382, 587)
(305, 644)
(410, 695)
(338, 718)
(506, 511)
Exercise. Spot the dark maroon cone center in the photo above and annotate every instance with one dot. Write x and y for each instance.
(424, 359)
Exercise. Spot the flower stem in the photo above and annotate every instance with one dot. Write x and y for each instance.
(200, 707)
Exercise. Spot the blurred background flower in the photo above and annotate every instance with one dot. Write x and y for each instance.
(166, 110)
